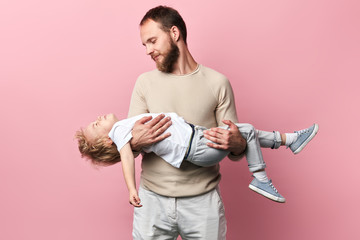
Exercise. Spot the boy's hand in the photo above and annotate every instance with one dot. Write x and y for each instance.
(146, 132)
(134, 199)
(230, 140)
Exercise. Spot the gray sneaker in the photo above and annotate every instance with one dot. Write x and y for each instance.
(304, 137)
(266, 189)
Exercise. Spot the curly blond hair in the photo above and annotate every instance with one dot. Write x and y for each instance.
(97, 151)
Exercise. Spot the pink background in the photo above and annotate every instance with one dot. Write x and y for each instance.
(291, 63)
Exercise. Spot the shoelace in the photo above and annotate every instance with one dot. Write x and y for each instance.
(303, 131)
(272, 186)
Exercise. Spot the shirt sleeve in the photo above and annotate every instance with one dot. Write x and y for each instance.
(121, 135)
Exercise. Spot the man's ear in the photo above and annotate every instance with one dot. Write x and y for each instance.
(108, 142)
(174, 33)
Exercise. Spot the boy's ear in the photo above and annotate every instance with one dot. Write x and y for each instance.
(108, 141)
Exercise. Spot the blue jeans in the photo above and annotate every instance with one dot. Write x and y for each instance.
(202, 155)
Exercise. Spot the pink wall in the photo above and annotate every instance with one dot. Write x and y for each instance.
(291, 63)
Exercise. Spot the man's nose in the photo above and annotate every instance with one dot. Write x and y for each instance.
(149, 50)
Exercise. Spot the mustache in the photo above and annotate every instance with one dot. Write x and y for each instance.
(154, 56)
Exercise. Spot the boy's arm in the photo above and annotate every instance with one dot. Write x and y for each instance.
(128, 166)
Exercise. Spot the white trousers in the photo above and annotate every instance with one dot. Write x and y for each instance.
(199, 217)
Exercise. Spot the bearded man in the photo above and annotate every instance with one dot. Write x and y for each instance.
(184, 201)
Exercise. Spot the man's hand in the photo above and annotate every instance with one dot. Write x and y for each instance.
(230, 140)
(149, 133)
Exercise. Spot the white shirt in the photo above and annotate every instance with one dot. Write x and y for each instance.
(171, 149)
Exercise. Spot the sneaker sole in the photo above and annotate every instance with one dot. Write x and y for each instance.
(266, 194)
(299, 149)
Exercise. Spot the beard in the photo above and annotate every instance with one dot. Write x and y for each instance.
(170, 59)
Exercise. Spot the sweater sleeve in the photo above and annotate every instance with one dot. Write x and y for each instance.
(226, 109)
(138, 103)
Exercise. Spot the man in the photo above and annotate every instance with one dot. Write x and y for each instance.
(183, 201)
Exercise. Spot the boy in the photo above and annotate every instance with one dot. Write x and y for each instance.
(106, 142)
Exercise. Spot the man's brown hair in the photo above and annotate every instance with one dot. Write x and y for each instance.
(167, 17)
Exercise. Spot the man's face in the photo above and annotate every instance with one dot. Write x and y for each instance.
(159, 46)
(100, 128)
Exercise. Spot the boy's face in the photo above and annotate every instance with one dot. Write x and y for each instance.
(101, 127)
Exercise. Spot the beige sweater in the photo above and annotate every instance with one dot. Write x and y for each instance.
(204, 97)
